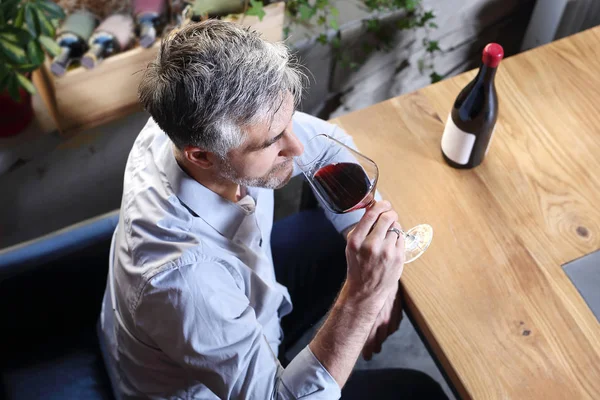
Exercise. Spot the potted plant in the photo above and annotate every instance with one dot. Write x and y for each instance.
(27, 29)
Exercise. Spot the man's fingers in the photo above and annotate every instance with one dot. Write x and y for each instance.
(382, 334)
(385, 221)
(364, 226)
(396, 313)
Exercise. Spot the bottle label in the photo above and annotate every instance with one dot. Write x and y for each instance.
(457, 144)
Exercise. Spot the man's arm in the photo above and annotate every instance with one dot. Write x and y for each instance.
(199, 316)
(375, 263)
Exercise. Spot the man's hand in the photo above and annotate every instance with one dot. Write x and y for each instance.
(374, 255)
(388, 322)
(375, 260)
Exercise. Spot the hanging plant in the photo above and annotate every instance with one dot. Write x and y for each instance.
(322, 13)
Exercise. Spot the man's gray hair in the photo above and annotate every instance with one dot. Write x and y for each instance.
(213, 78)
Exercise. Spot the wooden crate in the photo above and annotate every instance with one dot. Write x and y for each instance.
(83, 99)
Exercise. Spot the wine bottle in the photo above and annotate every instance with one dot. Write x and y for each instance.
(197, 10)
(471, 123)
(151, 18)
(112, 36)
(72, 38)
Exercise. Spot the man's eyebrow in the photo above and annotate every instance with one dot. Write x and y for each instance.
(270, 141)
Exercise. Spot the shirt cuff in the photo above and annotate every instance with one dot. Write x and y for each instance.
(344, 221)
(306, 378)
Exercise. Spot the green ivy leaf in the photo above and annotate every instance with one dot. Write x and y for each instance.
(50, 45)
(26, 83)
(411, 5)
(432, 25)
(53, 10)
(321, 4)
(432, 46)
(428, 15)
(306, 12)
(334, 11)
(321, 20)
(435, 77)
(35, 53)
(256, 8)
(333, 23)
(322, 38)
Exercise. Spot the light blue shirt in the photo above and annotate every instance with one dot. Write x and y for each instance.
(192, 308)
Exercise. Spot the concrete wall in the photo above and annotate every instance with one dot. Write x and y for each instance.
(464, 28)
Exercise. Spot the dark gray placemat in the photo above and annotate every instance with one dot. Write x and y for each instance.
(585, 275)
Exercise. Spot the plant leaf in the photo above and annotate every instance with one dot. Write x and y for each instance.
(13, 52)
(334, 11)
(35, 53)
(45, 25)
(50, 45)
(306, 12)
(256, 8)
(333, 23)
(26, 83)
(53, 10)
(8, 9)
(12, 85)
(20, 18)
(435, 77)
(322, 38)
(432, 46)
(18, 36)
(32, 21)
(27, 67)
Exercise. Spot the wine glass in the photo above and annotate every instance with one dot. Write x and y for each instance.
(345, 180)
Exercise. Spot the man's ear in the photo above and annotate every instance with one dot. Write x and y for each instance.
(199, 157)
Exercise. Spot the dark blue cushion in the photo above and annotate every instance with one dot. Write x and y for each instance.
(50, 296)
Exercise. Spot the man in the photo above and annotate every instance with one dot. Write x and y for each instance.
(194, 301)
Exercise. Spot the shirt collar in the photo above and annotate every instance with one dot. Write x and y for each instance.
(223, 215)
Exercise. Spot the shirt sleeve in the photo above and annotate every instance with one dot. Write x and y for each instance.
(306, 127)
(202, 320)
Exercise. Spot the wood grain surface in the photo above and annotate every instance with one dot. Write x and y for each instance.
(489, 294)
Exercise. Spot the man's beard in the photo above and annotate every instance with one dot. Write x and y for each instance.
(269, 181)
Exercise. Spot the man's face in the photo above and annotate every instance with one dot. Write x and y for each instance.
(266, 157)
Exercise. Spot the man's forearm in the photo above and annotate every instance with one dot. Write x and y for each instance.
(342, 337)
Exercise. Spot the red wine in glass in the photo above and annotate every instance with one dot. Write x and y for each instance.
(345, 180)
(344, 186)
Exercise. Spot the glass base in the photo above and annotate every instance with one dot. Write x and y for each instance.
(416, 241)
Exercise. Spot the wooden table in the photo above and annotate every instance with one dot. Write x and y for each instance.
(490, 295)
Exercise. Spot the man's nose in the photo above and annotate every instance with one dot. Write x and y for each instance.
(294, 146)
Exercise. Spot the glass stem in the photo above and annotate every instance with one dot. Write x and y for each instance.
(410, 242)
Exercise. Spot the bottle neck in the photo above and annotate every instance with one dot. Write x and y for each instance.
(486, 74)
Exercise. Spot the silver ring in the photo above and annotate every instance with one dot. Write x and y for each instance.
(396, 231)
